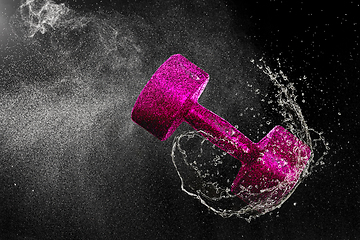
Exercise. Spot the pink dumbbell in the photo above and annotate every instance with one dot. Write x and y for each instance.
(171, 97)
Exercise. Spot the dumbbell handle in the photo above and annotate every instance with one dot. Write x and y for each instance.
(221, 133)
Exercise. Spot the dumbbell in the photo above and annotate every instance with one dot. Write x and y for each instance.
(270, 168)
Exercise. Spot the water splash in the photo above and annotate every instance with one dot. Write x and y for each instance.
(206, 173)
(40, 15)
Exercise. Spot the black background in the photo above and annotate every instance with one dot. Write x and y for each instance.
(319, 40)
